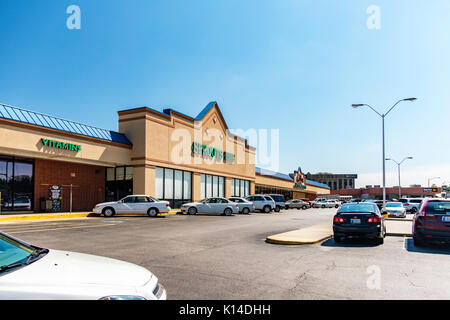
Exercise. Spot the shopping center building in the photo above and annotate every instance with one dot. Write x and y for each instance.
(52, 164)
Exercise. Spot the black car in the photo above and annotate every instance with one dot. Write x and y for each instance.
(359, 220)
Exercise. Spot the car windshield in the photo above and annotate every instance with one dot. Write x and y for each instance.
(278, 198)
(12, 251)
(394, 205)
(438, 207)
(357, 207)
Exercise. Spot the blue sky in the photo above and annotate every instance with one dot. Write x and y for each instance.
(291, 65)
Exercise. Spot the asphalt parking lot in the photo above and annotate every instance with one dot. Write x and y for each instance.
(218, 257)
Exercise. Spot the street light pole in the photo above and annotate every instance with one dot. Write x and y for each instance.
(398, 166)
(382, 120)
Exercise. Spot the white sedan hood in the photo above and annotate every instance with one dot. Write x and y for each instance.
(70, 268)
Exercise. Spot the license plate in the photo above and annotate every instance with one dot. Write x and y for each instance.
(355, 221)
(446, 219)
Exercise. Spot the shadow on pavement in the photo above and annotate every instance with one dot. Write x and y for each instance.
(355, 243)
(430, 247)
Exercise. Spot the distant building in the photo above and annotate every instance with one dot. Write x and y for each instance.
(334, 181)
(391, 192)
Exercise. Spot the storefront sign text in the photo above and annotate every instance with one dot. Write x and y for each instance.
(60, 145)
(211, 152)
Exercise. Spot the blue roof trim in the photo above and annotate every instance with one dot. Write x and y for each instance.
(205, 110)
(46, 121)
(317, 184)
(271, 173)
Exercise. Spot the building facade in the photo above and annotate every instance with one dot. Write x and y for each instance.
(52, 164)
(334, 181)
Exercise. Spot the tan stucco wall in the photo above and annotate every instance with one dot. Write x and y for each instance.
(26, 142)
(165, 141)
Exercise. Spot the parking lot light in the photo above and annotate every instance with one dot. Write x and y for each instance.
(382, 118)
(398, 165)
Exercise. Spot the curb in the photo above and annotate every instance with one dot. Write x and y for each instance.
(296, 242)
(34, 216)
(398, 234)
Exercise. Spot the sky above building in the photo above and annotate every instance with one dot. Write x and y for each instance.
(293, 66)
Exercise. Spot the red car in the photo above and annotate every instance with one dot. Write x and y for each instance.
(432, 221)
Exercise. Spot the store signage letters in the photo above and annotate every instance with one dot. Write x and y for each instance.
(60, 145)
(212, 152)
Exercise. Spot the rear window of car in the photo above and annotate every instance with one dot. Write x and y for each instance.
(438, 207)
(357, 207)
(268, 198)
(415, 201)
(403, 200)
(277, 198)
(393, 205)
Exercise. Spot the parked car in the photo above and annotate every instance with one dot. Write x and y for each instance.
(308, 201)
(395, 209)
(134, 204)
(359, 220)
(279, 201)
(411, 204)
(262, 203)
(336, 203)
(356, 200)
(211, 205)
(244, 206)
(325, 204)
(28, 272)
(297, 203)
(432, 221)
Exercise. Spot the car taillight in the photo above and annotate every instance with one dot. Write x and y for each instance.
(405, 204)
(374, 220)
(422, 212)
(167, 204)
(337, 219)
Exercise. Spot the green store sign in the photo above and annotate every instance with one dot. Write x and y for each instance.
(299, 186)
(211, 152)
(60, 145)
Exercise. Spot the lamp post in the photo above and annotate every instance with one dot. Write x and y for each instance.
(429, 179)
(382, 118)
(398, 164)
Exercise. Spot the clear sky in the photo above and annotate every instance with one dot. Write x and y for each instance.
(291, 65)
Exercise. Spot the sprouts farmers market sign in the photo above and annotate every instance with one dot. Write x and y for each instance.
(60, 145)
(211, 152)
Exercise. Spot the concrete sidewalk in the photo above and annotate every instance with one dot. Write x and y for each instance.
(59, 215)
(309, 235)
(399, 228)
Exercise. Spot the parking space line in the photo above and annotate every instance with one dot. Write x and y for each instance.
(64, 228)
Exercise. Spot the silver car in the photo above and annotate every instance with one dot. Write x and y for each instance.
(134, 204)
(262, 203)
(211, 205)
(244, 206)
(395, 209)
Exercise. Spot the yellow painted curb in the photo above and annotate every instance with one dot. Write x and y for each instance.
(45, 216)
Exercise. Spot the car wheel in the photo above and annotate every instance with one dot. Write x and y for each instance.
(246, 211)
(380, 240)
(228, 212)
(287, 207)
(266, 209)
(152, 212)
(108, 212)
(277, 209)
(413, 210)
(323, 206)
(304, 207)
(192, 211)
(336, 206)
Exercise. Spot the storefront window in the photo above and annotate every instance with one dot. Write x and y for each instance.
(119, 183)
(16, 184)
(267, 190)
(173, 186)
(240, 188)
(214, 186)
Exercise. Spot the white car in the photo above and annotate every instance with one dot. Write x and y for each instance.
(395, 209)
(262, 203)
(134, 204)
(325, 204)
(244, 206)
(211, 205)
(31, 273)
